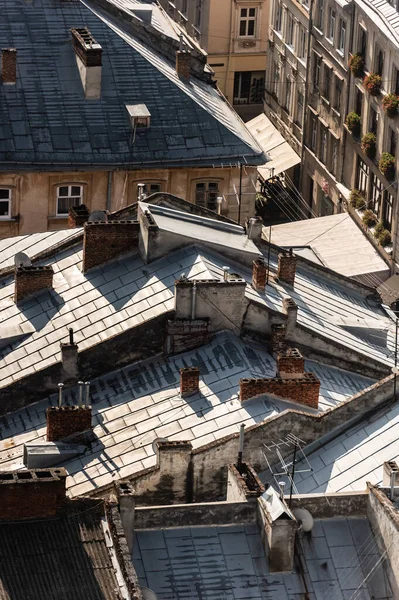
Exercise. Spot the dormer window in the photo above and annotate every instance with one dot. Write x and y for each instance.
(140, 116)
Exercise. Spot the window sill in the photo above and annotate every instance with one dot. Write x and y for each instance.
(9, 219)
(330, 41)
(336, 112)
(319, 31)
(57, 217)
(324, 99)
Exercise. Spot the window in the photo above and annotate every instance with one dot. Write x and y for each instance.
(198, 9)
(290, 30)
(247, 22)
(392, 141)
(337, 94)
(396, 81)
(302, 43)
(334, 155)
(249, 87)
(276, 77)
(388, 210)
(184, 7)
(299, 110)
(320, 15)
(326, 82)
(316, 70)
(363, 174)
(278, 18)
(362, 42)
(5, 203)
(331, 24)
(287, 94)
(313, 133)
(206, 194)
(324, 146)
(376, 194)
(342, 36)
(373, 120)
(68, 196)
(326, 205)
(148, 189)
(379, 61)
(358, 102)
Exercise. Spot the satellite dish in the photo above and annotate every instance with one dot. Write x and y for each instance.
(154, 443)
(98, 215)
(305, 519)
(22, 260)
(148, 594)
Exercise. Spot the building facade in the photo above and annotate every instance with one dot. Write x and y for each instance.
(234, 34)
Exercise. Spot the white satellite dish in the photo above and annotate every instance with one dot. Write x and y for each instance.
(22, 260)
(98, 215)
(148, 594)
(305, 519)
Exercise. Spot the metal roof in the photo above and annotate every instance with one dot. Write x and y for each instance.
(141, 402)
(47, 121)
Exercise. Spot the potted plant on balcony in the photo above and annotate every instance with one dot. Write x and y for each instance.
(369, 144)
(353, 123)
(372, 83)
(369, 218)
(387, 165)
(357, 199)
(390, 104)
(356, 64)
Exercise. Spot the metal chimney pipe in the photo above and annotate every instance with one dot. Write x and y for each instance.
(241, 447)
(71, 336)
(60, 387)
(87, 384)
(281, 485)
(80, 384)
(219, 201)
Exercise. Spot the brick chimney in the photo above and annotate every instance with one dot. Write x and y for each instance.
(78, 215)
(89, 60)
(279, 332)
(67, 421)
(103, 242)
(33, 494)
(9, 66)
(290, 364)
(189, 381)
(31, 280)
(303, 390)
(183, 64)
(259, 274)
(286, 267)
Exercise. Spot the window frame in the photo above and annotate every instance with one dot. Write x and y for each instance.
(341, 38)
(337, 96)
(9, 200)
(149, 182)
(320, 16)
(362, 176)
(300, 108)
(327, 78)
(289, 40)
(247, 20)
(69, 185)
(278, 18)
(332, 22)
(206, 183)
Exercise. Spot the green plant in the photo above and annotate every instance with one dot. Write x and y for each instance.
(353, 123)
(369, 144)
(387, 165)
(372, 83)
(378, 229)
(384, 237)
(356, 64)
(369, 218)
(390, 104)
(357, 199)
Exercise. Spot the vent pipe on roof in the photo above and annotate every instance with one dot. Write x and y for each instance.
(60, 389)
(9, 66)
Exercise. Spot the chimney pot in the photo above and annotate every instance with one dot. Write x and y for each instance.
(9, 66)
(183, 64)
(189, 381)
(286, 268)
(31, 280)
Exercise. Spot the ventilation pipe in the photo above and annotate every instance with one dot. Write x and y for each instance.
(193, 301)
(60, 389)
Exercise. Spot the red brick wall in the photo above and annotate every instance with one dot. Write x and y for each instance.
(290, 363)
(65, 421)
(9, 65)
(189, 381)
(278, 338)
(183, 64)
(103, 242)
(286, 267)
(259, 272)
(30, 280)
(31, 494)
(304, 390)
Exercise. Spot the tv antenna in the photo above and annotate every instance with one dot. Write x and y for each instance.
(22, 260)
(288, 468)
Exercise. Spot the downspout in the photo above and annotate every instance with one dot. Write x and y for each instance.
(194, 301)
(230, 49)
(306, 95)
(109, 191)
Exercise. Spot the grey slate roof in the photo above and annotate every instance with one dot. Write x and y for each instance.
(141, 402)
(46, 120)
(229, 562)
(55, 559)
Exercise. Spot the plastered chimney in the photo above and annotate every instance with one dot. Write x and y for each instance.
(9, 66)
(286, 268)
(89, 60)
(69, 360)
(31, 280)
(183, 64)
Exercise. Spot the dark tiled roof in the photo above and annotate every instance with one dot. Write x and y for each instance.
(45, 118)
(58, 559)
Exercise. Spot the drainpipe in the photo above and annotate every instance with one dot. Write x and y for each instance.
(193, 301)
(306, 95)
(109, 191)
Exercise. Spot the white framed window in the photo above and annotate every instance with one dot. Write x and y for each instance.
(320, 15)
(276, 77)
(68, 196)
(206, 193)
(331, 24)
(299, 108)
(5, 203)
(247, 22)
(342, 36)
(288, 94)
(324, 146)
(302, 42)
(278, 19)
(290, 30)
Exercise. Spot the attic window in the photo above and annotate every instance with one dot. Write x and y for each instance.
(140, 116)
